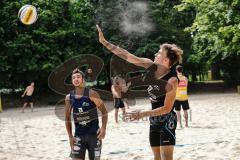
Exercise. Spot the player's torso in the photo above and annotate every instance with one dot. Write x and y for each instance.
(118, 90)
(30, 91)
(84, 114)
(157, 94)
(181, 93)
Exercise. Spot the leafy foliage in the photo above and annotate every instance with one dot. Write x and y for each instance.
(207, 30)
(216, 32)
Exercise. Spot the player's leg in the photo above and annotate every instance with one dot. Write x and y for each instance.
(167, 152)
(154, 139)
(94, 147)
(168, 139)
(79, 149)
(116, 107)
(185, 105)
(116, 115)
(31, 105)
(179, 118)
(123, 114)
(156, 153)
(177, 106)
(126, 103)
(24, 106)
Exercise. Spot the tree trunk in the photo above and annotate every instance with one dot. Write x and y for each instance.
(215, 72)
(194, 76)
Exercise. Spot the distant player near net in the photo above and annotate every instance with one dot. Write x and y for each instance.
(27, 95)
(181, 97)
(118, 88)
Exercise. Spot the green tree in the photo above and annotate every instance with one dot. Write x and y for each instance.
(64, 29)
(216, 32)
(168, 26)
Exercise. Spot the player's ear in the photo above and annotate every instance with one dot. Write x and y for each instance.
(83, 80)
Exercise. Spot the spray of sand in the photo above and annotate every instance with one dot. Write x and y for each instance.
(135, 19)
(130, 17)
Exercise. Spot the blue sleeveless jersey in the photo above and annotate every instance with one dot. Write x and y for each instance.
(84, 114)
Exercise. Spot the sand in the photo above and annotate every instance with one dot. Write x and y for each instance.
(213, 133)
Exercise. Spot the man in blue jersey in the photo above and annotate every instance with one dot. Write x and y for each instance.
(83, 103)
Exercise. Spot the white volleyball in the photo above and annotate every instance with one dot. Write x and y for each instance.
(28, 14)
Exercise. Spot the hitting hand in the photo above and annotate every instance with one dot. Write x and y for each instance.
(101, 36)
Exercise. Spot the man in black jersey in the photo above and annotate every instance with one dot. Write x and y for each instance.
(162, 116)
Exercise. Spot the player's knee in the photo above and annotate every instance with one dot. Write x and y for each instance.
(157, 156)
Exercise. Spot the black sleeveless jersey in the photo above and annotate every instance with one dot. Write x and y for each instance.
(157, 94)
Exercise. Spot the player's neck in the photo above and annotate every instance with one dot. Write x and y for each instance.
(79, 90)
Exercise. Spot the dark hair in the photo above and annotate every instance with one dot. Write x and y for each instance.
(76, 70)
(179, 68)
(174, 53)
(115, 79)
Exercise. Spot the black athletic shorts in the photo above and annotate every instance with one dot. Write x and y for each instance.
(118, 103)
(163, 135)
(178, 104)
(87, 142)
(28, 99)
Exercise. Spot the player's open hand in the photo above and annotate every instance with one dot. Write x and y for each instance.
(132, 116)
(72, 140)
(101, 36)
(101, 133)
(129, 84)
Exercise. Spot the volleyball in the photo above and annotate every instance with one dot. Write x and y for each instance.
(28, 14)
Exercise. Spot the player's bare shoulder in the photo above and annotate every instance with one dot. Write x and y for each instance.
(93, 94)
(95, 97)
(67, 97)
(28, 87)
(173, 81)
(146, 62)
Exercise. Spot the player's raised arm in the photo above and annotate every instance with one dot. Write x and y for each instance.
(25, 92)
(122, 53)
